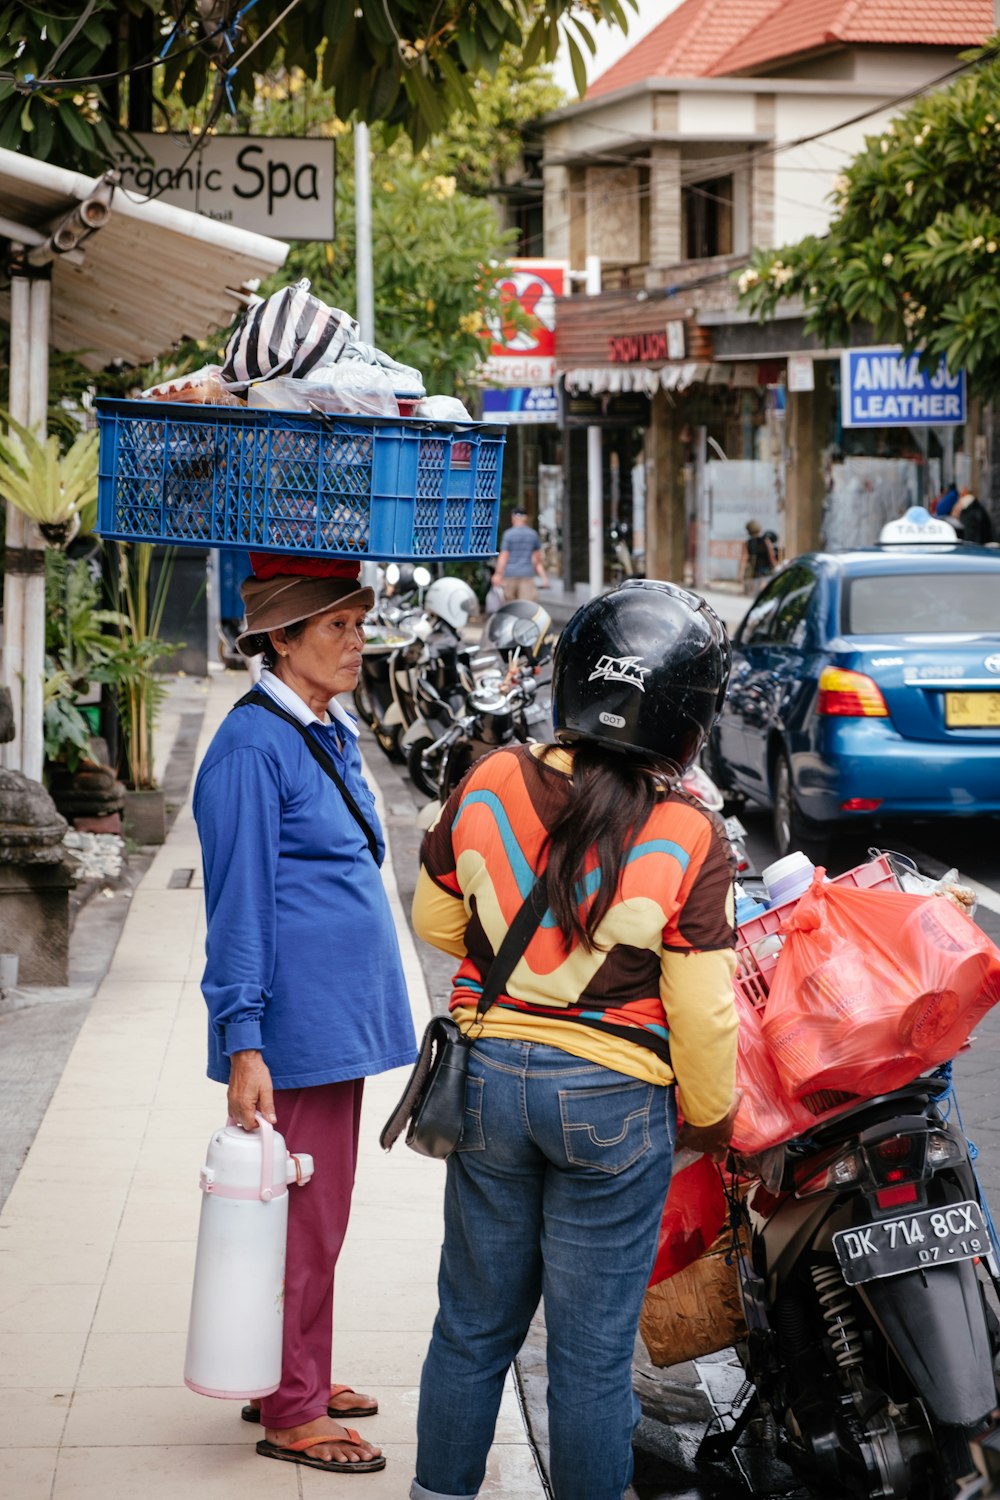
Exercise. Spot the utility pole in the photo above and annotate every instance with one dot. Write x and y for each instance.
(701, 557)
(365, 280)
(595, 467)
(364, 275)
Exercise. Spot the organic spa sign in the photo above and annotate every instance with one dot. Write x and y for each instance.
(882, 388)
(269, 184)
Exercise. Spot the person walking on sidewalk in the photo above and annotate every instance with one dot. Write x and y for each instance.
(520, 560)
(556, 1190)
(303, 977)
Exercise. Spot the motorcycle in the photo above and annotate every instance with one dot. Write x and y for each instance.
(499, 707)
(698, 784)
(439, 679)
(871, 1346)
(392, 629)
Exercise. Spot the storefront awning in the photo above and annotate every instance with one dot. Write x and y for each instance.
(152, 274)
(613, 379)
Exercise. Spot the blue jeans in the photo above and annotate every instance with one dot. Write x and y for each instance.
(556, 1193)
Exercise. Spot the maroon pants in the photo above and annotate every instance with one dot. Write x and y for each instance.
(324, 1122)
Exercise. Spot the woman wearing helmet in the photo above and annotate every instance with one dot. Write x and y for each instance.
(624, 989)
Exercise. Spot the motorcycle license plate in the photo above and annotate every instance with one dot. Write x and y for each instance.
(913, 1242)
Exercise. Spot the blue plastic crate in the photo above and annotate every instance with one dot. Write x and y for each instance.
(221, 476)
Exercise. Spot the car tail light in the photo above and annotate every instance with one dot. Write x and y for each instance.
(892, 1197)
(861, 804)
(849, 695)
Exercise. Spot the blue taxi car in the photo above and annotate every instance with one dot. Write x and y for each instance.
(866, 686)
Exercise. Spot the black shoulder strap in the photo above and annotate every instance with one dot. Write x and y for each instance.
(512, 949)
(258, 699)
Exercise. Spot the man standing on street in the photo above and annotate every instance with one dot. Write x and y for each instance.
(520, 560)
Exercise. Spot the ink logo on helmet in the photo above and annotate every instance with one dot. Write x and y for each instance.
(621, 669)
(992, 663)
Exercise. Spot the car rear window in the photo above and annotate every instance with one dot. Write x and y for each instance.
(922, 603)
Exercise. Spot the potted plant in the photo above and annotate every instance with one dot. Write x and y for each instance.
(140, 691)
(79, 648)
(57, 492)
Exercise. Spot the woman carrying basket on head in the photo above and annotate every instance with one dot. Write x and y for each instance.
(556, 1190)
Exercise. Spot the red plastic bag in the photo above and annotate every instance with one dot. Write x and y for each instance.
(767, 1114)
(872, 987)
(693, 1214)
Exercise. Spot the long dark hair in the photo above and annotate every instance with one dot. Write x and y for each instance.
(611, 798)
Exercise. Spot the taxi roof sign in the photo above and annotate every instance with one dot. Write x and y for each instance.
(917, 525)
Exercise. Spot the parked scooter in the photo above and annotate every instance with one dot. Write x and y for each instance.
(871, 1347)
(439, 680)
(698, 784)
(392, 629)
(500, 708)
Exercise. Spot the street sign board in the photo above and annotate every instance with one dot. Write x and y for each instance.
(282, 187)
(526, 356)
(518, 404)
(884, 388)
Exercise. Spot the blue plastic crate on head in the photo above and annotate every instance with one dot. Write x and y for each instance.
(232, 476)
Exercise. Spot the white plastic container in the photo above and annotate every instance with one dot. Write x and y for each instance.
(788, 878)
(237, 1302)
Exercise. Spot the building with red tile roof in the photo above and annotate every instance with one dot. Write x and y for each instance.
(796, 28)
(686, 44)
(710, 38)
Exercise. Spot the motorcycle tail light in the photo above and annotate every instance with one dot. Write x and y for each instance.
(895, 1148)
(894, 1197)
(849, 695)
(841, 1172)
(898, 1158)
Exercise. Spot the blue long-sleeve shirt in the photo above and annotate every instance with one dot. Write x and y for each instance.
(302, 959)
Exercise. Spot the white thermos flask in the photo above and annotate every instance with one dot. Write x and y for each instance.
(237, 1303)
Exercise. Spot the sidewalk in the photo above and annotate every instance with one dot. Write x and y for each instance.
(97, 1244)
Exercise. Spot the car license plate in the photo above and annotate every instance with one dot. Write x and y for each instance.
(914, 1242)
(972, 710)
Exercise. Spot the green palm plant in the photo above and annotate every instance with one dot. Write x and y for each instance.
(56, 491)
(140, 619)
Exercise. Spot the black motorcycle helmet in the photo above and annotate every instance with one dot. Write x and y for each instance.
(641, 669)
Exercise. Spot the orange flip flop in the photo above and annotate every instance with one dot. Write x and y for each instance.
(252, 1413)
(298, 1453)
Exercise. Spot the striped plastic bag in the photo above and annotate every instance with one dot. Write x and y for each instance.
(288, 333)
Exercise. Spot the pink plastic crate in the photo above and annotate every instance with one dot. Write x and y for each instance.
(753, 975)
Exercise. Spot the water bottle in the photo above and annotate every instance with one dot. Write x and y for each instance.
(237, 1302)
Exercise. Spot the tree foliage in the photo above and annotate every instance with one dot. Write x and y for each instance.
(409, 63)
(435, 255)
(913, 249)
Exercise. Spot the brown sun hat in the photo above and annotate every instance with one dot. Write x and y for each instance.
(302, 588)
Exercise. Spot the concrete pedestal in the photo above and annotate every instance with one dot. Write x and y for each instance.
(34, 920)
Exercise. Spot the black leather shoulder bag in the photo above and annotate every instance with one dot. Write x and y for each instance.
(432, 1109)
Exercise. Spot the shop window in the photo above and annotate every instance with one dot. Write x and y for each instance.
(707, 218)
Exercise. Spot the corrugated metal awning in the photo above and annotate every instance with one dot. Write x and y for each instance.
(153, 274)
